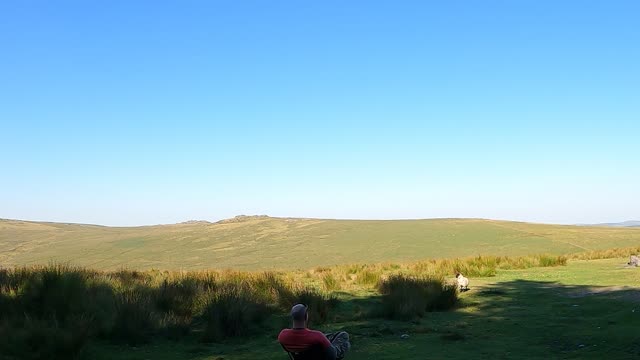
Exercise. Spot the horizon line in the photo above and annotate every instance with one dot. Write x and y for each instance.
(609, 223)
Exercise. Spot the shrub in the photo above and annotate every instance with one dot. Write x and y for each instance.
(319, 304)
(232, 311)
(177, 297)
(406, 297)
(134, 321)
(100, 308)
(268, 287)
(37, 339)
(56, 291)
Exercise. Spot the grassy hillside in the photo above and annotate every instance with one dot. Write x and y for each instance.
(252, 243)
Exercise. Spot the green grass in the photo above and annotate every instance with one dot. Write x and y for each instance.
(584, 310)
(76, 306)
(262, 243)
(355, 275)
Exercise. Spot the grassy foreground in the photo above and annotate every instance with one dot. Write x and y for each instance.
(585, 310)
(264, 243)
(535, 304)
(55, 311)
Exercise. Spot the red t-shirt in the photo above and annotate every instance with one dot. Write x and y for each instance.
(301, 339)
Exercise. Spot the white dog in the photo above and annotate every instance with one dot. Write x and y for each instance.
(463, 282)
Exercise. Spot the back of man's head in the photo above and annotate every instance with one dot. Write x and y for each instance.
(299, 312)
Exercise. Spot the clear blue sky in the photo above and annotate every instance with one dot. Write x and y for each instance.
(145, 112)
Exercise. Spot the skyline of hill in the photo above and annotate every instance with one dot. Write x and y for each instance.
(261, 242)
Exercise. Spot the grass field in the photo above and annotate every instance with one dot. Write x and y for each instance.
(259, 243)
(579, 301)
(585, 310)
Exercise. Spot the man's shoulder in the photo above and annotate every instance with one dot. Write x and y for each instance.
(299, 333)
(318, 337)
(284, 333)
(315, 333)
(291, 332)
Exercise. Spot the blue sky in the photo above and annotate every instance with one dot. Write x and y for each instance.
(145, 112)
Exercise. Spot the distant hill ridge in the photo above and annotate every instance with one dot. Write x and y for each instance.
(262, 242)
(630, 223)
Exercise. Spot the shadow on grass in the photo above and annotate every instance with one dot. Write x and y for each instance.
(516, 319)
(509, 320)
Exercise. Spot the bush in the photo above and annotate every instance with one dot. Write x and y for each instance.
(134, 321)
(406, 297)
(177, 297)
(319, 304)
(268, 287)
(38, 339)
(56, 291)
(232, 311)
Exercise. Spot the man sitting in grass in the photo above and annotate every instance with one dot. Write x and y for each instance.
(300, 340)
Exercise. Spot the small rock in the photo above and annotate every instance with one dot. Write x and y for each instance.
(404, 336)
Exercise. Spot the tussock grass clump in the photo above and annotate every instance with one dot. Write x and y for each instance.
(59, 291)
(268, 286)
(134, 319)
(319, 304)
(47, 312)
(478, 266)
(232, 311)
(177, 296)
(74, 305)
(405, 297)
(606, 254)
(38, 339)
(367, 277)
(550, 260)
(345, 277)
(484, 266)
(330, 282)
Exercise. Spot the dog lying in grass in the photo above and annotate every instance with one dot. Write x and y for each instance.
(463, 282)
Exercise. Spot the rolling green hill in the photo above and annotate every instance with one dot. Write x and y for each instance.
(255, 243)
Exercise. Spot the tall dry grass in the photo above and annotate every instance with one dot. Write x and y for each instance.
(72, 305)
(56, 309)
(354, 276)
(406, 297)
(606, 254)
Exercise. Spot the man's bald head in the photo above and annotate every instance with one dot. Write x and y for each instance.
(299, 312)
